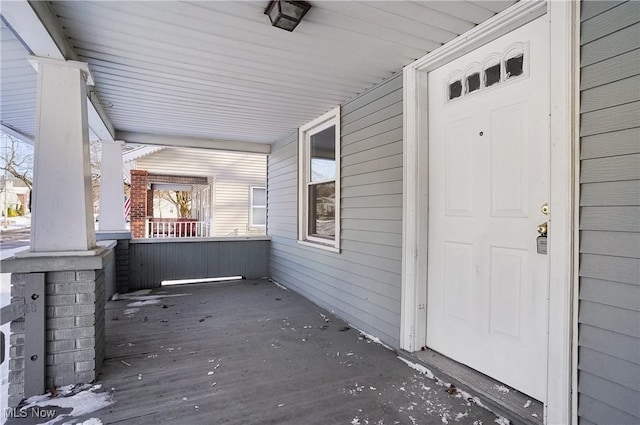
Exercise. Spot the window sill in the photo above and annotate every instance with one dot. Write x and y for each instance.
(320, 246)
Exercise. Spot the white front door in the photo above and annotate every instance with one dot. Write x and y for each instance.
(488, 178)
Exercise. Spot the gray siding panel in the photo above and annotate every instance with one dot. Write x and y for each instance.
(611, 318)
(616, 93)
(615, 219)
(616, 68)
(611, 144)
(613, 369)
(612, 394)
(615, 168)
(622, 193)
(609, 300)
(618, 244)
(616, 294)
(591, 8)
(361, 283)
(610, 119)
(614, 44)
(615, 344)
(601, 413)
(616, 19)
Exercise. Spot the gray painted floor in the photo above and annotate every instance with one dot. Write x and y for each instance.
(251, 353)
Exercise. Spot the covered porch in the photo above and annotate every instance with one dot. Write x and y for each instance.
(341, 110)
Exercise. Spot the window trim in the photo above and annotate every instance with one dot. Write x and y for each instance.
(252, 206)
(321, 123)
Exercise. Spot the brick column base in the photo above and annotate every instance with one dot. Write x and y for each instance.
(74, 330)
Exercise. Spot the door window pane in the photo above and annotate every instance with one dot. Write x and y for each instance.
(514, 66)
(473, 82)
(492, 75)
(455, 89)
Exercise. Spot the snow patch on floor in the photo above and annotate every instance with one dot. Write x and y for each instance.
(372, 338)
(501, 388)
(143, 295)
(82, 400)
(284, 288)
(90, 421)
(142, 303)
(502, 421)
(458, 393)
(419, 368)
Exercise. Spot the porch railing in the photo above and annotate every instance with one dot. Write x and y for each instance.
(168, 228)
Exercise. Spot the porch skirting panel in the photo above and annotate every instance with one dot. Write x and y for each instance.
(362, 282)
(152, 261)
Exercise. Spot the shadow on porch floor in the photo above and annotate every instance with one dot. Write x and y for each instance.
(251, 353)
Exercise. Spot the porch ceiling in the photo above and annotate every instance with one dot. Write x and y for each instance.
(219, 70)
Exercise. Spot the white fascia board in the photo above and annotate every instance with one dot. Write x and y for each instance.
(139, 153)
(193, 142)
(36, 27)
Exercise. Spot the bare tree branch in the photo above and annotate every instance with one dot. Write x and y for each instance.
(181, 200)
(17, 162)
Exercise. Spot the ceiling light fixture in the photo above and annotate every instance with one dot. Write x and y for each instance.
(286, 14)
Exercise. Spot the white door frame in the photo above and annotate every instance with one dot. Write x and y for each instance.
(564, 34)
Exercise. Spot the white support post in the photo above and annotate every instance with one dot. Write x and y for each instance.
(62, 206)
(111, 188)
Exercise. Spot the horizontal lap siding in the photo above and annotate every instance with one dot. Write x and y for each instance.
(362, 283)
(609, 312)
(231, 211)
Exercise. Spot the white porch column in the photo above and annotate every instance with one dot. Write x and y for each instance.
(111, 188)
(62, 207)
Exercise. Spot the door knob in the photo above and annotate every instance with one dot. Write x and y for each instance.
(542, 228)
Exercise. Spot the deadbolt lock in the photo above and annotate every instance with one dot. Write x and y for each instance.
(542, 229)
(545, 208)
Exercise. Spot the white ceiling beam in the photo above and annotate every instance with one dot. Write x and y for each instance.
(17, 134)
(36, 27)
(193, 142)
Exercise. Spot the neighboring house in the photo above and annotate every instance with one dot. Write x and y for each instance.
(230, 196)
(482, 201)
(13, 194)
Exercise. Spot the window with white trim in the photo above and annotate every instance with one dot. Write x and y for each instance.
(319, 181)
(258, 210)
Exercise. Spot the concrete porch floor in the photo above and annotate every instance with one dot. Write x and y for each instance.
(249, 352)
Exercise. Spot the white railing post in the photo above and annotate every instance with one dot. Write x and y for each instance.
(148, 230)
